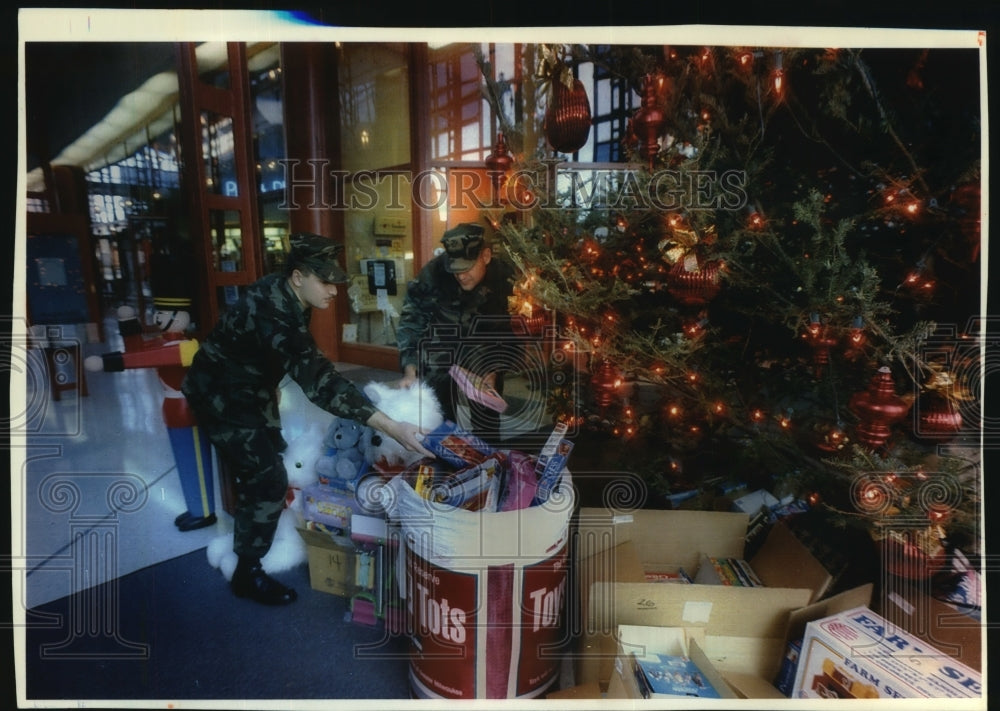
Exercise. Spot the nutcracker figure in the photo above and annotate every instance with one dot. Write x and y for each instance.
(170, 352)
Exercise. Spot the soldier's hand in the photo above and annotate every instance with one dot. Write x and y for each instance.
(407, 434)
(409, 377)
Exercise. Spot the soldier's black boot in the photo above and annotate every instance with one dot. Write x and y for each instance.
(250, 580)
(189, 522)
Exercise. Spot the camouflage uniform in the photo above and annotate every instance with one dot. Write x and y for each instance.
(441, 324)
(232, 386)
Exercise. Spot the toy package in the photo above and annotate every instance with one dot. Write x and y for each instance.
(789, 666)
(471, 474)
(726, 571)
(859, 654)
(476, 388)
(550, 463)
(329, 506)
(666, 576)
(426, 474)
(961, 587)
(423, 480)
(457, 446)
(476, 488)
(671, 675)
(521, 482)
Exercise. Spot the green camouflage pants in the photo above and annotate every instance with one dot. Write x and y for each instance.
(253, 460)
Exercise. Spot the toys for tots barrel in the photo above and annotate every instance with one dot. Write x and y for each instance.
(485, 593)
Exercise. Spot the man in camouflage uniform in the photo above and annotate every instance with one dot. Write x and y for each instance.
(456, 311)
(232, 387)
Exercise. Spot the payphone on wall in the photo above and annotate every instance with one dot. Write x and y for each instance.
(381, 275)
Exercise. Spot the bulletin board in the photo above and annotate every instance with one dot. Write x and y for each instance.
(59, 271)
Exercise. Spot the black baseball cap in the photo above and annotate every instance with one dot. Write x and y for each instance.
(318, 254)
(462, 245)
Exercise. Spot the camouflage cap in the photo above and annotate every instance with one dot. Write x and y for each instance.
(462, 245)
(318, 255)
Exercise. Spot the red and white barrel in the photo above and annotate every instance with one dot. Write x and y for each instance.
(485, 595)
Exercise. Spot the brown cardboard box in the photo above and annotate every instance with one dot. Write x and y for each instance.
(616, 551)
(715, 653)
(332, 563)
(754, 686)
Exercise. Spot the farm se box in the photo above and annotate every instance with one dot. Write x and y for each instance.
(858, 654)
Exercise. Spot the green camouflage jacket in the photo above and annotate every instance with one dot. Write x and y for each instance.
(445, 324)
(235, 373)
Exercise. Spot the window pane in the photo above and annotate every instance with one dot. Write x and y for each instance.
(375, 141)
(268, 127)
(267, 119)
(374, 106)
(218, 153)
(456, 104)
(227, 240)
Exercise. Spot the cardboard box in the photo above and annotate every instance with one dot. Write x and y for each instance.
(745, 626)
(637, 643)
(333, 563)
(859, 654)
(580, 691)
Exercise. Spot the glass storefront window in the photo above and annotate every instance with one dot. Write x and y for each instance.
(462, 126)
(268, 130)
(374, 106)
(217, 150)
(375, 152)
(227, 240)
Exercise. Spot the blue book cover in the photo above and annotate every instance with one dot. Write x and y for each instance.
(672, 675)
(789, 666)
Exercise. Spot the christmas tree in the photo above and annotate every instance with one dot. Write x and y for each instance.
(778, 288)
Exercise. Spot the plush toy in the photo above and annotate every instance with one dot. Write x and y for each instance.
(304, 428)
(370, 445)
(343, 459)
(416, 404)
(302, 456)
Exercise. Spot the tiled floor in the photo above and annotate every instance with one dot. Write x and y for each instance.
(96, 481)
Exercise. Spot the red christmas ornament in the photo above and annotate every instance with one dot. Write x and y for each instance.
(606, 381)
(534, 325)
(498, 163)
(821, 339)
(693, 285)
(939, 416)
(648, 121)
(567, 118)
(878, 408)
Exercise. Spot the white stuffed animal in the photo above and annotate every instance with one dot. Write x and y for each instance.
(416, 404)
(304, 428)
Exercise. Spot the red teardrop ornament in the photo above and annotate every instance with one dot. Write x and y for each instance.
(567, 118)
